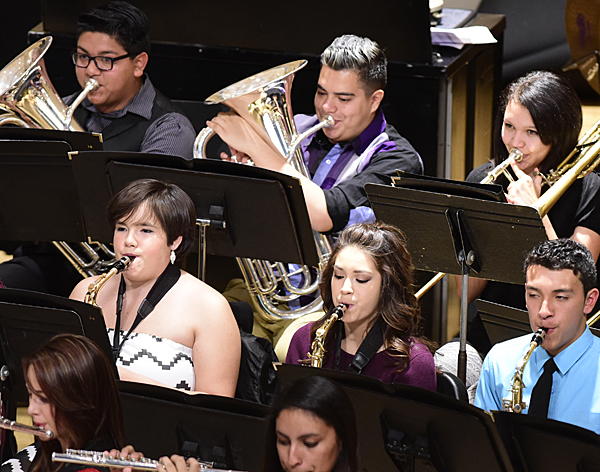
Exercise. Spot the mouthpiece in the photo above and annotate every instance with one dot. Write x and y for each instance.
(339, 310)
(329, 121)
(538, 336)
(122, 263)
(515, 154)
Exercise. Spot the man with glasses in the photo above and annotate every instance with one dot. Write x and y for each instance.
(112, 47)
(131, 114)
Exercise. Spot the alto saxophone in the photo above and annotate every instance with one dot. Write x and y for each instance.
(317, 348)
(516, 403)
(94, 288)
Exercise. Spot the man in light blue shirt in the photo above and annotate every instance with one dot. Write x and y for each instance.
(560, 291)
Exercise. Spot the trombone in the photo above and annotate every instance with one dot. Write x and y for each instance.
(581, 161)
(502, 168)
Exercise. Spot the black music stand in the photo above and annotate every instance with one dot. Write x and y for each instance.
(503, 322)
(407, 428)
(231, 197)
(77, 141)
(451, 229)
(38, 193)
(541, 444)
(29, 319)
(161, 421)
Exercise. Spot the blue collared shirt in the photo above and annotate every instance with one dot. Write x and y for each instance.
(575, 394)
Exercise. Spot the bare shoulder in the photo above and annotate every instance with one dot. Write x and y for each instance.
(82, 287)
(202, 298)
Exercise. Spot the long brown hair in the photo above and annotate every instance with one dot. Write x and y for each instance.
(79, 382)
(398, 306)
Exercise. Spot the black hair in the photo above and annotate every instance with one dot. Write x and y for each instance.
(361, 55)
(554, 108)
(127, 24)
(326, 400)
(559, 254)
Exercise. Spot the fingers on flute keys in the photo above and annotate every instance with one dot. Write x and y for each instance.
(177, 463)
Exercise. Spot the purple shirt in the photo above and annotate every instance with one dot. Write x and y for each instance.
(420, 371)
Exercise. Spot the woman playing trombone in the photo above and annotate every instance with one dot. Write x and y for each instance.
(540, 115)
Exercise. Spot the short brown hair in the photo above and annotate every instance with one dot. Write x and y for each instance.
(171, 206)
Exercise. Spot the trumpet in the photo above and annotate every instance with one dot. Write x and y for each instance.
(97, 458)
(24, 428)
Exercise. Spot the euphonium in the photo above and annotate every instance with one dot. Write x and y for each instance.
(97, 458)
(28, 96)
(24, 428)
(263, 100)
(29, 100)
(514, 156)
(94, 288)
(515, 403)
(317, 348)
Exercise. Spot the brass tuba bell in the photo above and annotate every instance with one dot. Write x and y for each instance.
(29, 98)
(263, 100)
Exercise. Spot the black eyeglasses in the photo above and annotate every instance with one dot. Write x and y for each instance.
(102, 62)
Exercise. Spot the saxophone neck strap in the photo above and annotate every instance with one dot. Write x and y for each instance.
(367, 349)
(163, 284)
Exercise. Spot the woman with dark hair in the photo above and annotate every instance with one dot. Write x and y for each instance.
(370, 271)
(540, 115)
(166, 326)
(312, 427)
(73, 393)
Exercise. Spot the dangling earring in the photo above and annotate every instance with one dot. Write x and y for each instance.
(173, 257)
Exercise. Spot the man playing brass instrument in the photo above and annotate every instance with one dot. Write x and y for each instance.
(361, 147)
(112, 47)
(560, 291)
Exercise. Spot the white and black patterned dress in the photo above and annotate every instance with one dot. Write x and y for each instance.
(158, 358)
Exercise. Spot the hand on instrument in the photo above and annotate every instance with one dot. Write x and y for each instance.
(127, 451)
(238, 134)
(236, 156)
(178, 464)
(526, 190)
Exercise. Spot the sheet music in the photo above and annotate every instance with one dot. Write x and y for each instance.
(458, 37)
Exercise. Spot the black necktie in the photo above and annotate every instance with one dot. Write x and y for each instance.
(540, 396)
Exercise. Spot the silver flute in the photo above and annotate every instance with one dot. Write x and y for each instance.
(76, 456)
(24, 428)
